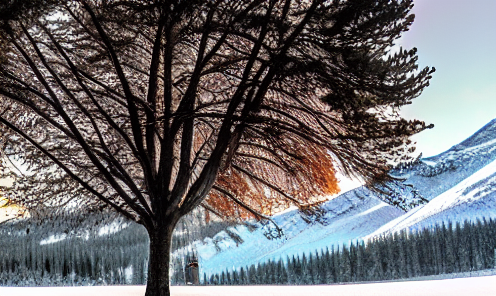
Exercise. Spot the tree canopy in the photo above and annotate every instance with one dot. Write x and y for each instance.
(152, 108)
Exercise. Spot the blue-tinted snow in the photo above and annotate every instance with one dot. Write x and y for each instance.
(349, 216)
(450, 199)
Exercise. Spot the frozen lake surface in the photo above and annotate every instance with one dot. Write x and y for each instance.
(480, 286)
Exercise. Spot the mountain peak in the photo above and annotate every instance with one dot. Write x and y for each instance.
(483, 135)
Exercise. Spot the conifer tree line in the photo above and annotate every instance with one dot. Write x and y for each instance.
(30, 259)
(103, 250)
(442, 249)
(121, 257)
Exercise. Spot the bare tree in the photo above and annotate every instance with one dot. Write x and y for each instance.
(152, 108)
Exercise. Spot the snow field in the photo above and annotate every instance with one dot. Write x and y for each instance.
(480, 286)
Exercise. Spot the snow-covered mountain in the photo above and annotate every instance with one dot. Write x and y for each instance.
(350, 216)
(459, 183)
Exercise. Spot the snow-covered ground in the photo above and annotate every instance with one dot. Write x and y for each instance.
(480, 286)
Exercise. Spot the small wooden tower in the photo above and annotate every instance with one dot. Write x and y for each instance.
(191, 271)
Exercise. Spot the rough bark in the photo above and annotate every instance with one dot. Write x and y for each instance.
(159, 259)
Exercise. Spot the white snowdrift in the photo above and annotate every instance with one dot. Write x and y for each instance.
(480, 286)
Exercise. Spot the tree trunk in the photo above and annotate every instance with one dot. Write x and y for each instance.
(158, 262)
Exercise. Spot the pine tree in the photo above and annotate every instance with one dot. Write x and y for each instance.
(327, 266)
(283, 278)
(235, 278)
(379, 264)
(462, 252)
(252, 275)
(260, 274)
(223, 279)
(426, 253)
(311, 270)
(402, 260)
(298, 270)
(391, 256)
(360, 261)
(291, 270)
(478, 260)
(414, 254)
(335, 265)
(320, 269)
(436, 247)
(353, 263)
(242, 276)
(450, 265)
(345, 265)
(272, 272)
(305, 272)
(228, 278)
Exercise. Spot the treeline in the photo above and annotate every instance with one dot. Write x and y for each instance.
(108, 259)
(442, 249)
(96, 250)
(108, 255)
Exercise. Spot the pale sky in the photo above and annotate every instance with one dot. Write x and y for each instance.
(458, 38)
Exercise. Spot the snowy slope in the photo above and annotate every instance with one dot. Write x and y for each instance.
(460, 184)
(349, 216)
(437, 174)
(465, 194)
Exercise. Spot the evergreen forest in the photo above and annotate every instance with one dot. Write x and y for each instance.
(443, 249)
(120, 256)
